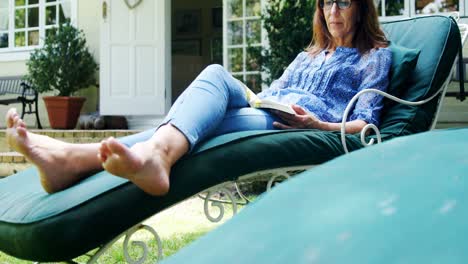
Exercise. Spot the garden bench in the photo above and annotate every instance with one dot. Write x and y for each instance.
(23, 93)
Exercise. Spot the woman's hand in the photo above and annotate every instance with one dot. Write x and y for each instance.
(302, 119)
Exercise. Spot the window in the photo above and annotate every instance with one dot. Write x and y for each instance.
(244, 38)
(25, 23)
(436, 6)
(396, 9)
(391, 8)
(4, 23)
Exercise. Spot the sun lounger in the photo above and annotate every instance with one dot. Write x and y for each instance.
(41, 227)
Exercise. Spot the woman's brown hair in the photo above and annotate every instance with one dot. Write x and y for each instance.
(368, 33)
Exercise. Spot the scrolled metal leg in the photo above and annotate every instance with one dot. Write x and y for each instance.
(141, 244)
(218, 204)
(128, 234)
(241, 194)
(272, 181)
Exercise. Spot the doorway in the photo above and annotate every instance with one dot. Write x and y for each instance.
(196, 40)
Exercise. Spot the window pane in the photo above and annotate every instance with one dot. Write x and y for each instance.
(378, 4)
(217, 50)
(253, 54)
(20, 2)
(235, 60)
(239, 77)
(437, 6)
(33, 17)
(254, 31)
(3, 40)
(235, 33)
(253, 8)
(51, 15)
(33, 38)
(33, 2)
(394, 7)
(20, 39)
(20, 18)
(64, 11)
(235, 8)
(254, 82)
(62, 17)
(4, 19)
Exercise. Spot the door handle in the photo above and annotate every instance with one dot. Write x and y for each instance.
(104, 10)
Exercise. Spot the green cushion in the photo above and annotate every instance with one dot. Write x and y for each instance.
(403, 63)
(359, 208)
(438, 39)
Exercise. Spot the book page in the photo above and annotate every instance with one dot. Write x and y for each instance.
(256, 102)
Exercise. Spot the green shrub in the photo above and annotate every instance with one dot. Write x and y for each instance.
(63, 64)
(288, 24)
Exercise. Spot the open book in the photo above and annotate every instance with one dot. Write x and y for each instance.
(256, 102)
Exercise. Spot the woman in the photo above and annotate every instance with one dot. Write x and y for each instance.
(348, 54)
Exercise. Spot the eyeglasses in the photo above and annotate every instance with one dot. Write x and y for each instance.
(328, 4)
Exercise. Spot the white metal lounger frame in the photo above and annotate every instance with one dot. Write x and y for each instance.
(236, 197)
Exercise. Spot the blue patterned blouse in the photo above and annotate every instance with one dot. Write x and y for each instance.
(324, 87)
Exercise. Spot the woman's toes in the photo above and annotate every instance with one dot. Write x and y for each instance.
(9, 117)
(21, 123)
(102, 157)
(15, 119)
(104, 149)
(22, 132)
(116, 147)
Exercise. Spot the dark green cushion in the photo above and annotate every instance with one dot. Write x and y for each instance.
(438, 39)
(403, 63)
(404, 201)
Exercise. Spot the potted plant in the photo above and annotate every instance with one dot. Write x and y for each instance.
(63, 65)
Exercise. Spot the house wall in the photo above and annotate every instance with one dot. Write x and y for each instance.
(88, 19)
(11, 68)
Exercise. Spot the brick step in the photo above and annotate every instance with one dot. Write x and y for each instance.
(12, 157)
(12, 162)
(72, 136)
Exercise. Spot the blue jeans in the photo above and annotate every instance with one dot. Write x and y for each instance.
(213, 104)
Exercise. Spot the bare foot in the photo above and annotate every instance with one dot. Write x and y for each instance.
(143, 164)
(49, 155)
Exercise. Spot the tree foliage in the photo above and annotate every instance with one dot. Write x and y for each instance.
(288, 24)
(63, 64)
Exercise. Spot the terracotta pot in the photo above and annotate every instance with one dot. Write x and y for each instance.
(63, 111)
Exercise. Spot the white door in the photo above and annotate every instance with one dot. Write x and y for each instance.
(135, 57)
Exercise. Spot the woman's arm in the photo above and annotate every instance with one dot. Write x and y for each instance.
(302, 119)
(375, 76)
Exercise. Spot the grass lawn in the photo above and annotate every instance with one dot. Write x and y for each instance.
(177, 227)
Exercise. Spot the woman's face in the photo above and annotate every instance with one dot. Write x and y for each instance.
(341, 22)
